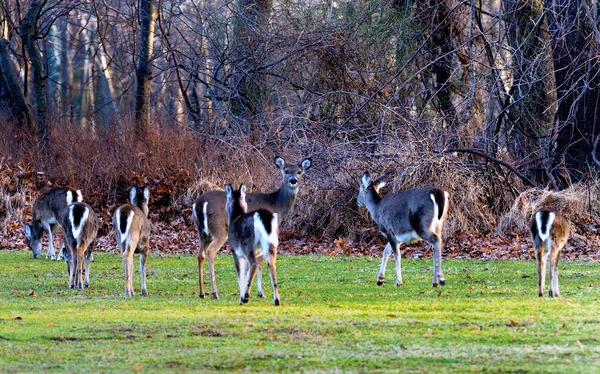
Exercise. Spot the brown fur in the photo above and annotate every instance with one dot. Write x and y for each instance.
(280, 202)
(136, 239)
(551, 247)
(79, 249)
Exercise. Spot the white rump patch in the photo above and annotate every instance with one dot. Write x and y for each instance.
(260, 232)
(69, 197)
(77, 230)
(205, 214)
(124, 235)
(194, 212)
(538, 220)
(408, 237)
(79, 196)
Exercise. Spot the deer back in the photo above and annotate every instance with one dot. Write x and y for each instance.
(80, 224)
(548, 224)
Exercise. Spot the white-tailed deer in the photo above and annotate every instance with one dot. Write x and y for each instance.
(80, 225)
(549, 233)
(406, 217)
(211, 218)
(252, 236)
(47, 214)
(132, 231)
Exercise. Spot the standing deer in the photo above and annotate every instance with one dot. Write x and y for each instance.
(211, 218)
(549, 233)
(252, 236)
(132, 231)
(80, 225)
(47, 214)
(405, 217)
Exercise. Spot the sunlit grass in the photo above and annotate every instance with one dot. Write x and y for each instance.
(333, 318)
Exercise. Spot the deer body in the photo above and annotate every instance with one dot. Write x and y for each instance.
(211, 219)
(549, 234)
(47, 214)
(80, 225)
(132, 230)
(252, 236)
(405, 217)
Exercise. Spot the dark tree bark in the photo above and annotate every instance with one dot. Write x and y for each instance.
(10, 86)
(577, 84)
(29, 30)
(249, 28)
(148, 15)
(527, 119)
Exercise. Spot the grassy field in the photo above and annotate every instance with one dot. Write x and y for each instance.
(333, 319)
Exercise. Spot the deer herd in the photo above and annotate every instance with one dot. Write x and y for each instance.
(249, 223)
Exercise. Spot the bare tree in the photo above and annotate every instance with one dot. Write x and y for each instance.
(147, 16)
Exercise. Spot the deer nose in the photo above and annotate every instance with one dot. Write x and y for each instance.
(293, 181)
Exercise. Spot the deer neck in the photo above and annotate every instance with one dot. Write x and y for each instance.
(283, 199)
(372, 202)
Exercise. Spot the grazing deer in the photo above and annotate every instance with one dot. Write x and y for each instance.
(80, 225)
(252, 236)
(47, 214)
(132, 231)
(211, 218)
(549, 233)
(406, 217)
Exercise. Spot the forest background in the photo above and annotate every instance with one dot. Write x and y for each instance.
(495, 101)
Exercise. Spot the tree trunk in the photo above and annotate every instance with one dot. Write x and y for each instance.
(10, 86)
(148, 15)
(66, 66)
(248, 32)
(29, 37)
(577, 85)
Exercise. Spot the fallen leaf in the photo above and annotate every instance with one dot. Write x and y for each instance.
(138, 367)
(579, 344)
(31, 293)
(513, 323)
(51, 324)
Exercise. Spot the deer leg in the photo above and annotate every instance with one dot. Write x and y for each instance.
(71, 262)
(214, 247)
(386, 255)
(398, 258)
(50, 253)
(549, 257)
(541, 263)
(79, 270)
(433, 239)
(201, 256)
(271, 260)
(555, 274)
(88, 255)
(261, 293)
(143, 258)
(242, 271)
(250, 276)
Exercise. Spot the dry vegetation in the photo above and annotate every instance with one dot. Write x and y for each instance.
(178, 165)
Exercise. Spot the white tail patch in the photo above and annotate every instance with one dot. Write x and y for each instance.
(77, 230)
(205, 214)
(124, 235)
(260, 232)
(436, 213)
(538, 220)
(79, 196)
(69, 197)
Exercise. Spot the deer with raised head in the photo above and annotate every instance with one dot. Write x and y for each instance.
(47, 215)
(132, 230)
(549, 234)
(405, 217)
(210, 217)
(80, 225)
(252, 236)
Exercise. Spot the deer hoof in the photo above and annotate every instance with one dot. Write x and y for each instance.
(379, 282)
(201, 295)
(435, 285)
(442, 282)
(277, 303)
(261, 295)
(214, 295)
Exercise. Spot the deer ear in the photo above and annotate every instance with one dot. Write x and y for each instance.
(380, 182)
(366, 179)
(228, 190)
(146, 193)
(242, 190)
(306, 164)
(279, 163)
(132, 194)
(28, 231)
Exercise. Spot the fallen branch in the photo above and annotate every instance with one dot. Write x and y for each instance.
(493, 159)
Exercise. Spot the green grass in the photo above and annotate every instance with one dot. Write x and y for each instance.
(333, 319)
